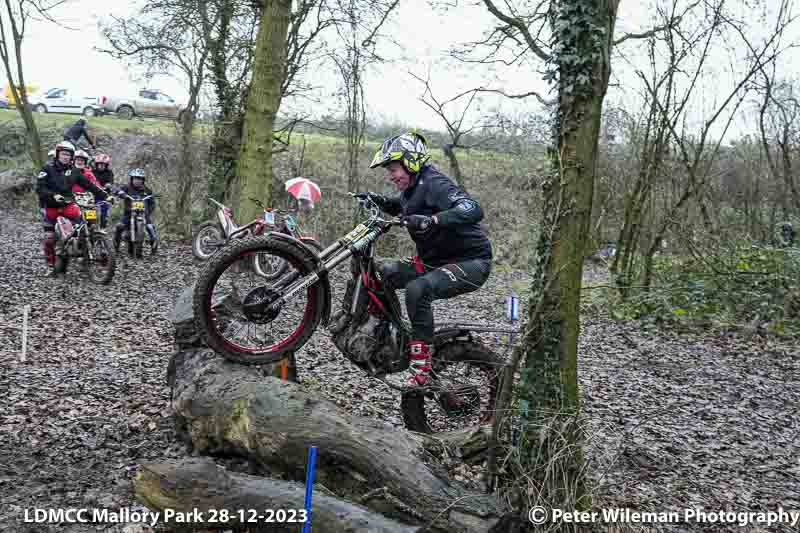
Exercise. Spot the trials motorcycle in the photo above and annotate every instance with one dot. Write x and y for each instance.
(251, 320)
(213, 235)
(86, 240)
(134, 233)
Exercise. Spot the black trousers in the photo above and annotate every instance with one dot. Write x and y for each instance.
(439, 283)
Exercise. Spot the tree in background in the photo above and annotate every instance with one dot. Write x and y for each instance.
(165, 37)
(454, 124)
(357, 23)
(254, 168)
(14, 15)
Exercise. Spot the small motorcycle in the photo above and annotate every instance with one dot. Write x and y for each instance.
(250, 320)
(85, 239)
(137, 226)
(211, 236)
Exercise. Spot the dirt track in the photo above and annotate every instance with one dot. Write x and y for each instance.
(677, 423)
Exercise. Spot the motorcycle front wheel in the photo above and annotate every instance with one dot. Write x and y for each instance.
(103, 261)
(229, 281)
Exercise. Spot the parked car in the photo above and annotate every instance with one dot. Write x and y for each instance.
(65, 100)
(149, 103)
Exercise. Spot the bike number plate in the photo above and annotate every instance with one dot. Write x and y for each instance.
(138, 205)
(90, 214)
(357, 233)
(269, 218)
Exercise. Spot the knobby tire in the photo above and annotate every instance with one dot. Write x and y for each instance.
(213, 269)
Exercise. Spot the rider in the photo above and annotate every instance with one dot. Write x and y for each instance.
(454, 255)
(136, 189)
(78, 130)
(104, 174)
(81, 162)
(786, 234)
(54, 186)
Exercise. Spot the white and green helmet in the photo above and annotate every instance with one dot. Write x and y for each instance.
(408, 148)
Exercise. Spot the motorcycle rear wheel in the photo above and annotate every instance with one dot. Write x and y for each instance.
(428, 412)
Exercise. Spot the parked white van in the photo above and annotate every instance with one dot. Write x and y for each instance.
(65, 100)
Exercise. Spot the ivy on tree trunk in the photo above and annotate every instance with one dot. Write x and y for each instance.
(550, 446)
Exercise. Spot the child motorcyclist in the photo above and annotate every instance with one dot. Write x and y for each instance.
(105, 176)
(136, 189)
(81, 162)
(54, 185)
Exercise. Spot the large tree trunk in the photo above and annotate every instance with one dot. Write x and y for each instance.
(550, 444)
(254, 170)
(185, 168)
(200, 484)
(229, 409)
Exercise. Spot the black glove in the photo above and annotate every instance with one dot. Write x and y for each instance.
(418, 223)
(59, 199)
(378, 199)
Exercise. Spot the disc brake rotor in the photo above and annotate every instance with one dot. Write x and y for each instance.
(265, 296)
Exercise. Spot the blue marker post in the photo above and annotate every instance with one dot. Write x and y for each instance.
(512, 312)
(512, 315)
(311, 466)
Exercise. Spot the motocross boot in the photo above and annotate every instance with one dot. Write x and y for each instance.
(152, 234)
(419, 370)
(118, 237)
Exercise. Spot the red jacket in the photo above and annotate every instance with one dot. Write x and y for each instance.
(87, 172)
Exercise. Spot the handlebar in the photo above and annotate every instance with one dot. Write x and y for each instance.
(216, 203)
(257, 202)
(374, 210)
(132, 199)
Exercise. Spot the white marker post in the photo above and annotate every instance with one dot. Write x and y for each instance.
(25, 311)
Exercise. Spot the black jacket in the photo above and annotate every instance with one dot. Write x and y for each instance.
(75, 132)
(458, 235)
(56, 178)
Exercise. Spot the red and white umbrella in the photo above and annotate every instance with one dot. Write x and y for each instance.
(303, 189)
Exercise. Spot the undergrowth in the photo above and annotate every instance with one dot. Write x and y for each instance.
(730, 286)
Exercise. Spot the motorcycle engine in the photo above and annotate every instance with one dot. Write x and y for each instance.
(372, 344)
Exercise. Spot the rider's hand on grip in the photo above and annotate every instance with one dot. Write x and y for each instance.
(377, 199)
(418, 223)
(58, 198)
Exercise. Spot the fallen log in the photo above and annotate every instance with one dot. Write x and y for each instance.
(201, 485)
(228, 409)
